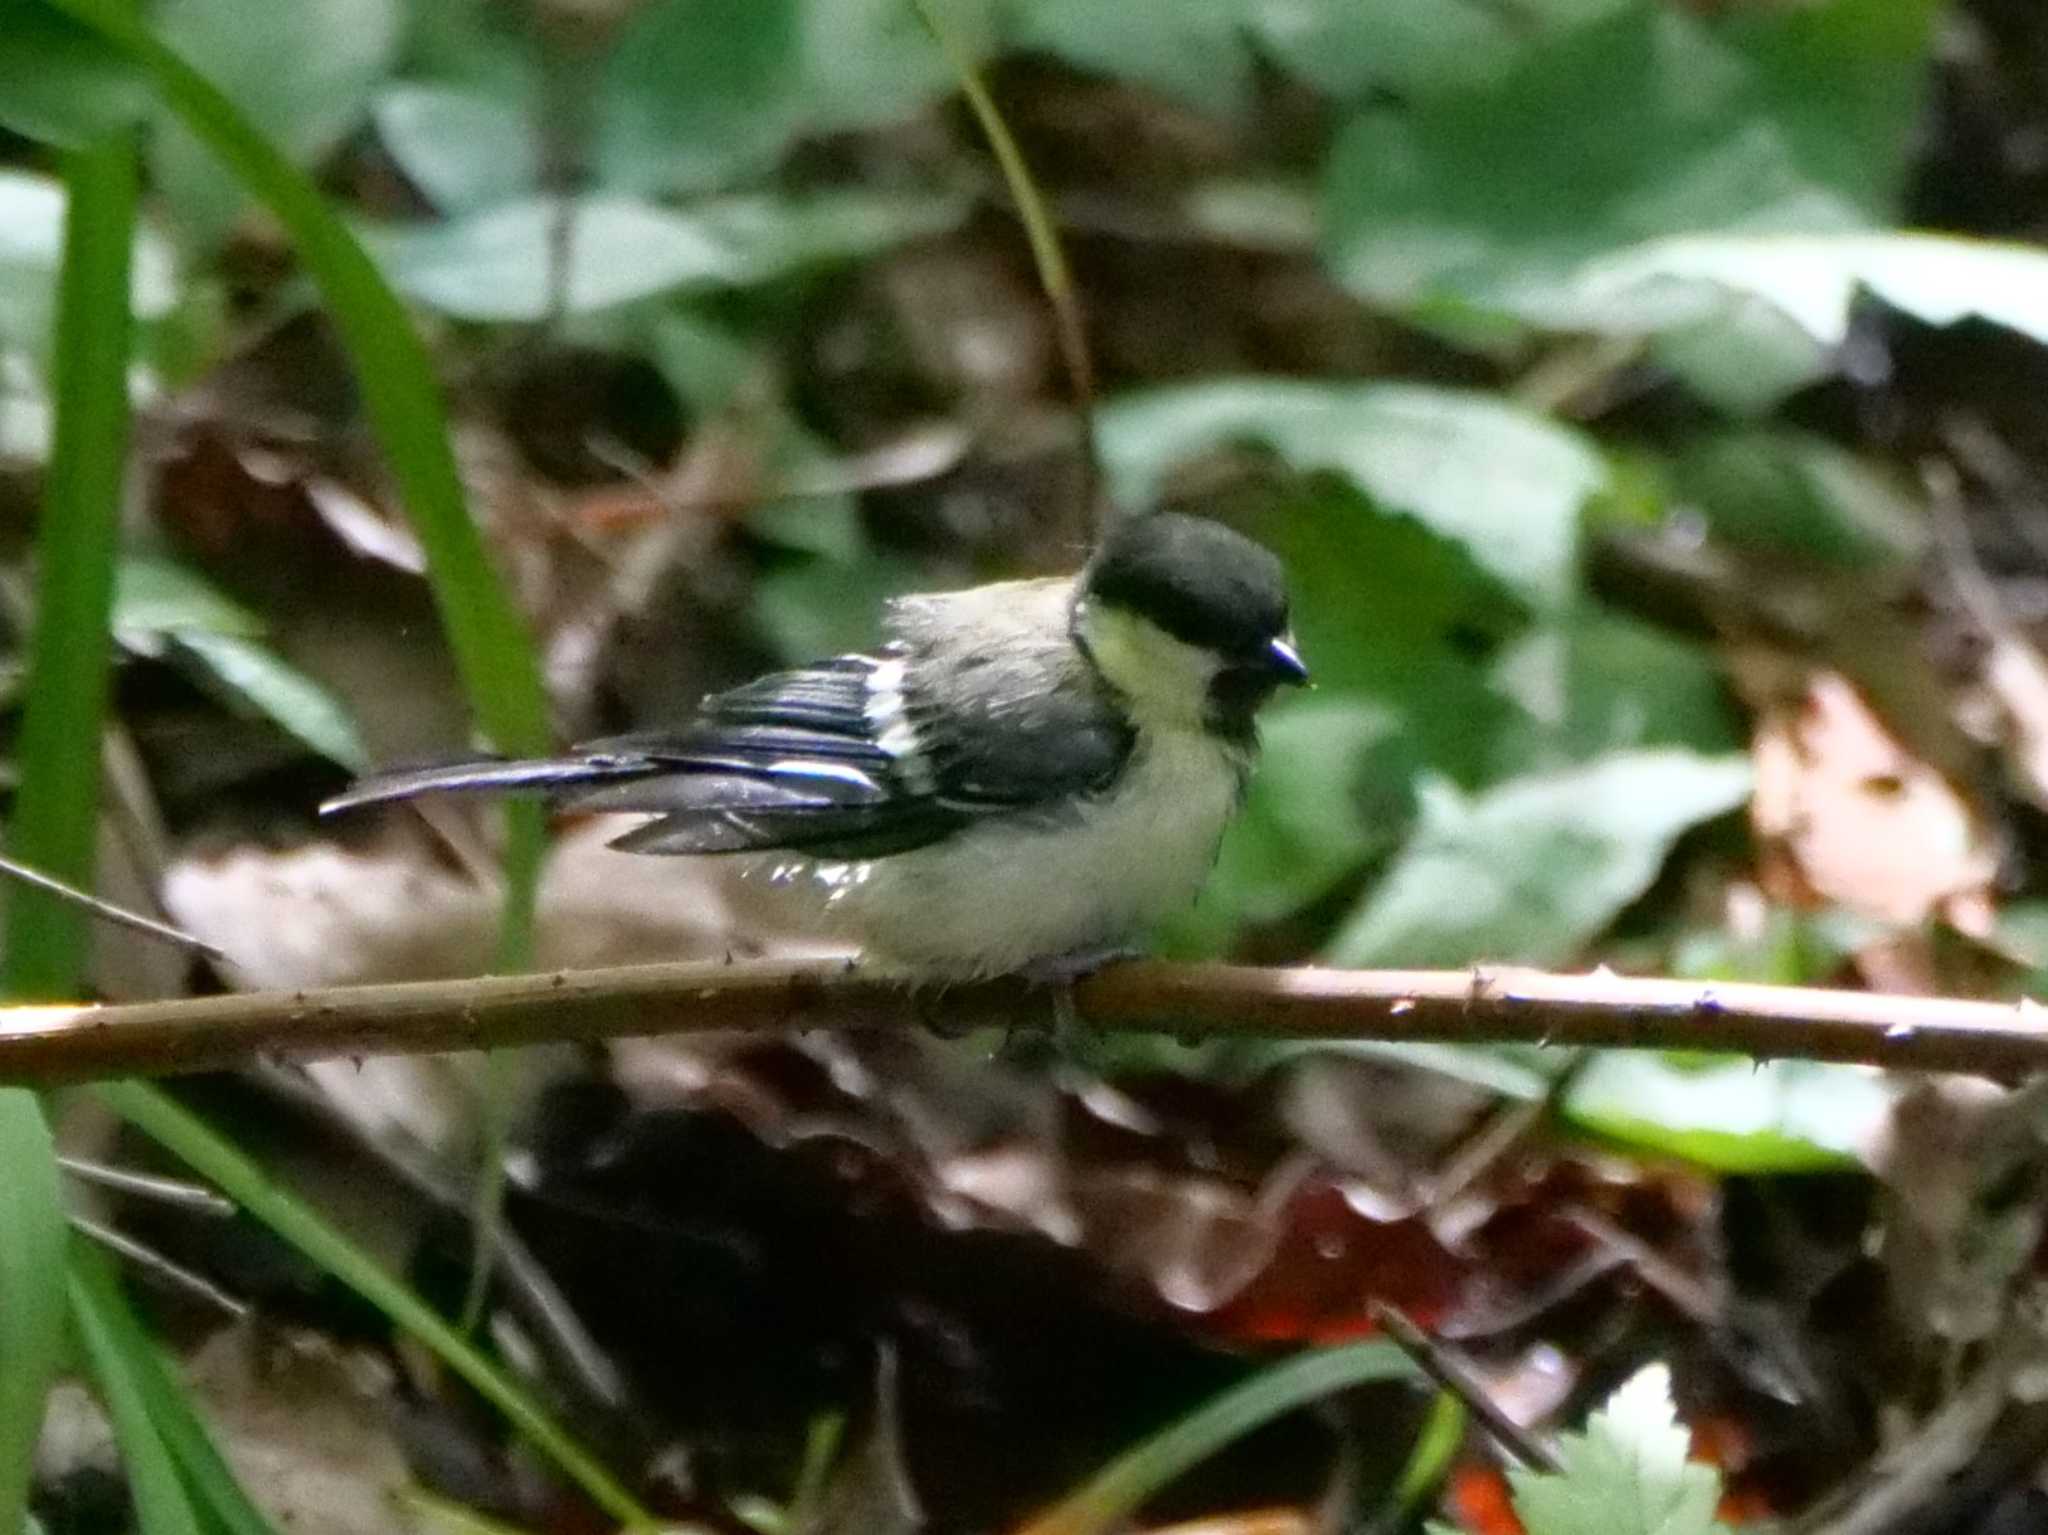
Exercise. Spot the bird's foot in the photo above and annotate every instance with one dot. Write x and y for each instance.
(1057, 975)
(1065, 970)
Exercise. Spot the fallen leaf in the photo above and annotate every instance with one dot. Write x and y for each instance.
(305, 1427)
(1857, 821)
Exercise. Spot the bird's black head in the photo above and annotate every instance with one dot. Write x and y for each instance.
(1207, 587)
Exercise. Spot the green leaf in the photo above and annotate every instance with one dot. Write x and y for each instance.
(471, 42)
(302, 75)
(280, 692)
(32, 253)
(464, 146)
(868, 63)
(162, 1504)
(499, 264)
(1194, 50)
(1797, 495)
(1595, 682)
(1388, 611)
(1504, 482)
(1534, 868)
(154, 597)
(773, 236)
(1205, 52)
(1348, 50)
(812, 606)
(1627, 1474)
(701, 93)
(32, 1239)
(1790, 947)
(1736, 352)
(1791, 121)
(1813, 279)
(61, 84)
(697, 93)
(1332, 792)
(155, 602)
(1735, 1116)
(1107, 1500)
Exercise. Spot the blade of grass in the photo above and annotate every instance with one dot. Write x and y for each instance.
(55, 826)
(162, 1504)
(56, 821)
(31, 1291)
(191, 1140)
(498, 1096)
(1109, 1497)
(205, 1474)
(434, 1512)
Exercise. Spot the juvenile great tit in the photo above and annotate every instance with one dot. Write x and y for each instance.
(1025, 774)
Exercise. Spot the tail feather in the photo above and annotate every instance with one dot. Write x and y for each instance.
(547, 775)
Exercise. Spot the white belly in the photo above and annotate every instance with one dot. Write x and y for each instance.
(1007, 891)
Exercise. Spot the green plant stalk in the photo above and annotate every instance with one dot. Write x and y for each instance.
(1109, 1497)
(191, 1140)
(523, 853)
(56, 822)
(162, 1504)
(1436, 1450)
(1047, 255)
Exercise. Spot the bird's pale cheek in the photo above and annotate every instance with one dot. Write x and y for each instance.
(1165, 680)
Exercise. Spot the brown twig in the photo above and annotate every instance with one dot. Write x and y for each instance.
(1449, 1369)
(50, 1044)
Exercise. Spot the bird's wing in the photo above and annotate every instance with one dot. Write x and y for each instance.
(855, 758)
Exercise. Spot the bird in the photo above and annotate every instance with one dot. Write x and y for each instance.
(1023, 778)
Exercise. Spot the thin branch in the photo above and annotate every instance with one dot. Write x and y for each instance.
(1451, 1370)
(43, 1045)
(191, 1198)
(106, 911)
(167, 1271)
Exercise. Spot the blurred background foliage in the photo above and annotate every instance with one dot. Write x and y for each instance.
(1645, 395)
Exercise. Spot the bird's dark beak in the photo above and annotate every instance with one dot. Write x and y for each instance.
(1285, 662)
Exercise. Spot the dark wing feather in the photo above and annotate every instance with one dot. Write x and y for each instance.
(548, 775)
(789, 761)
(853, 758)
(1062, 745)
